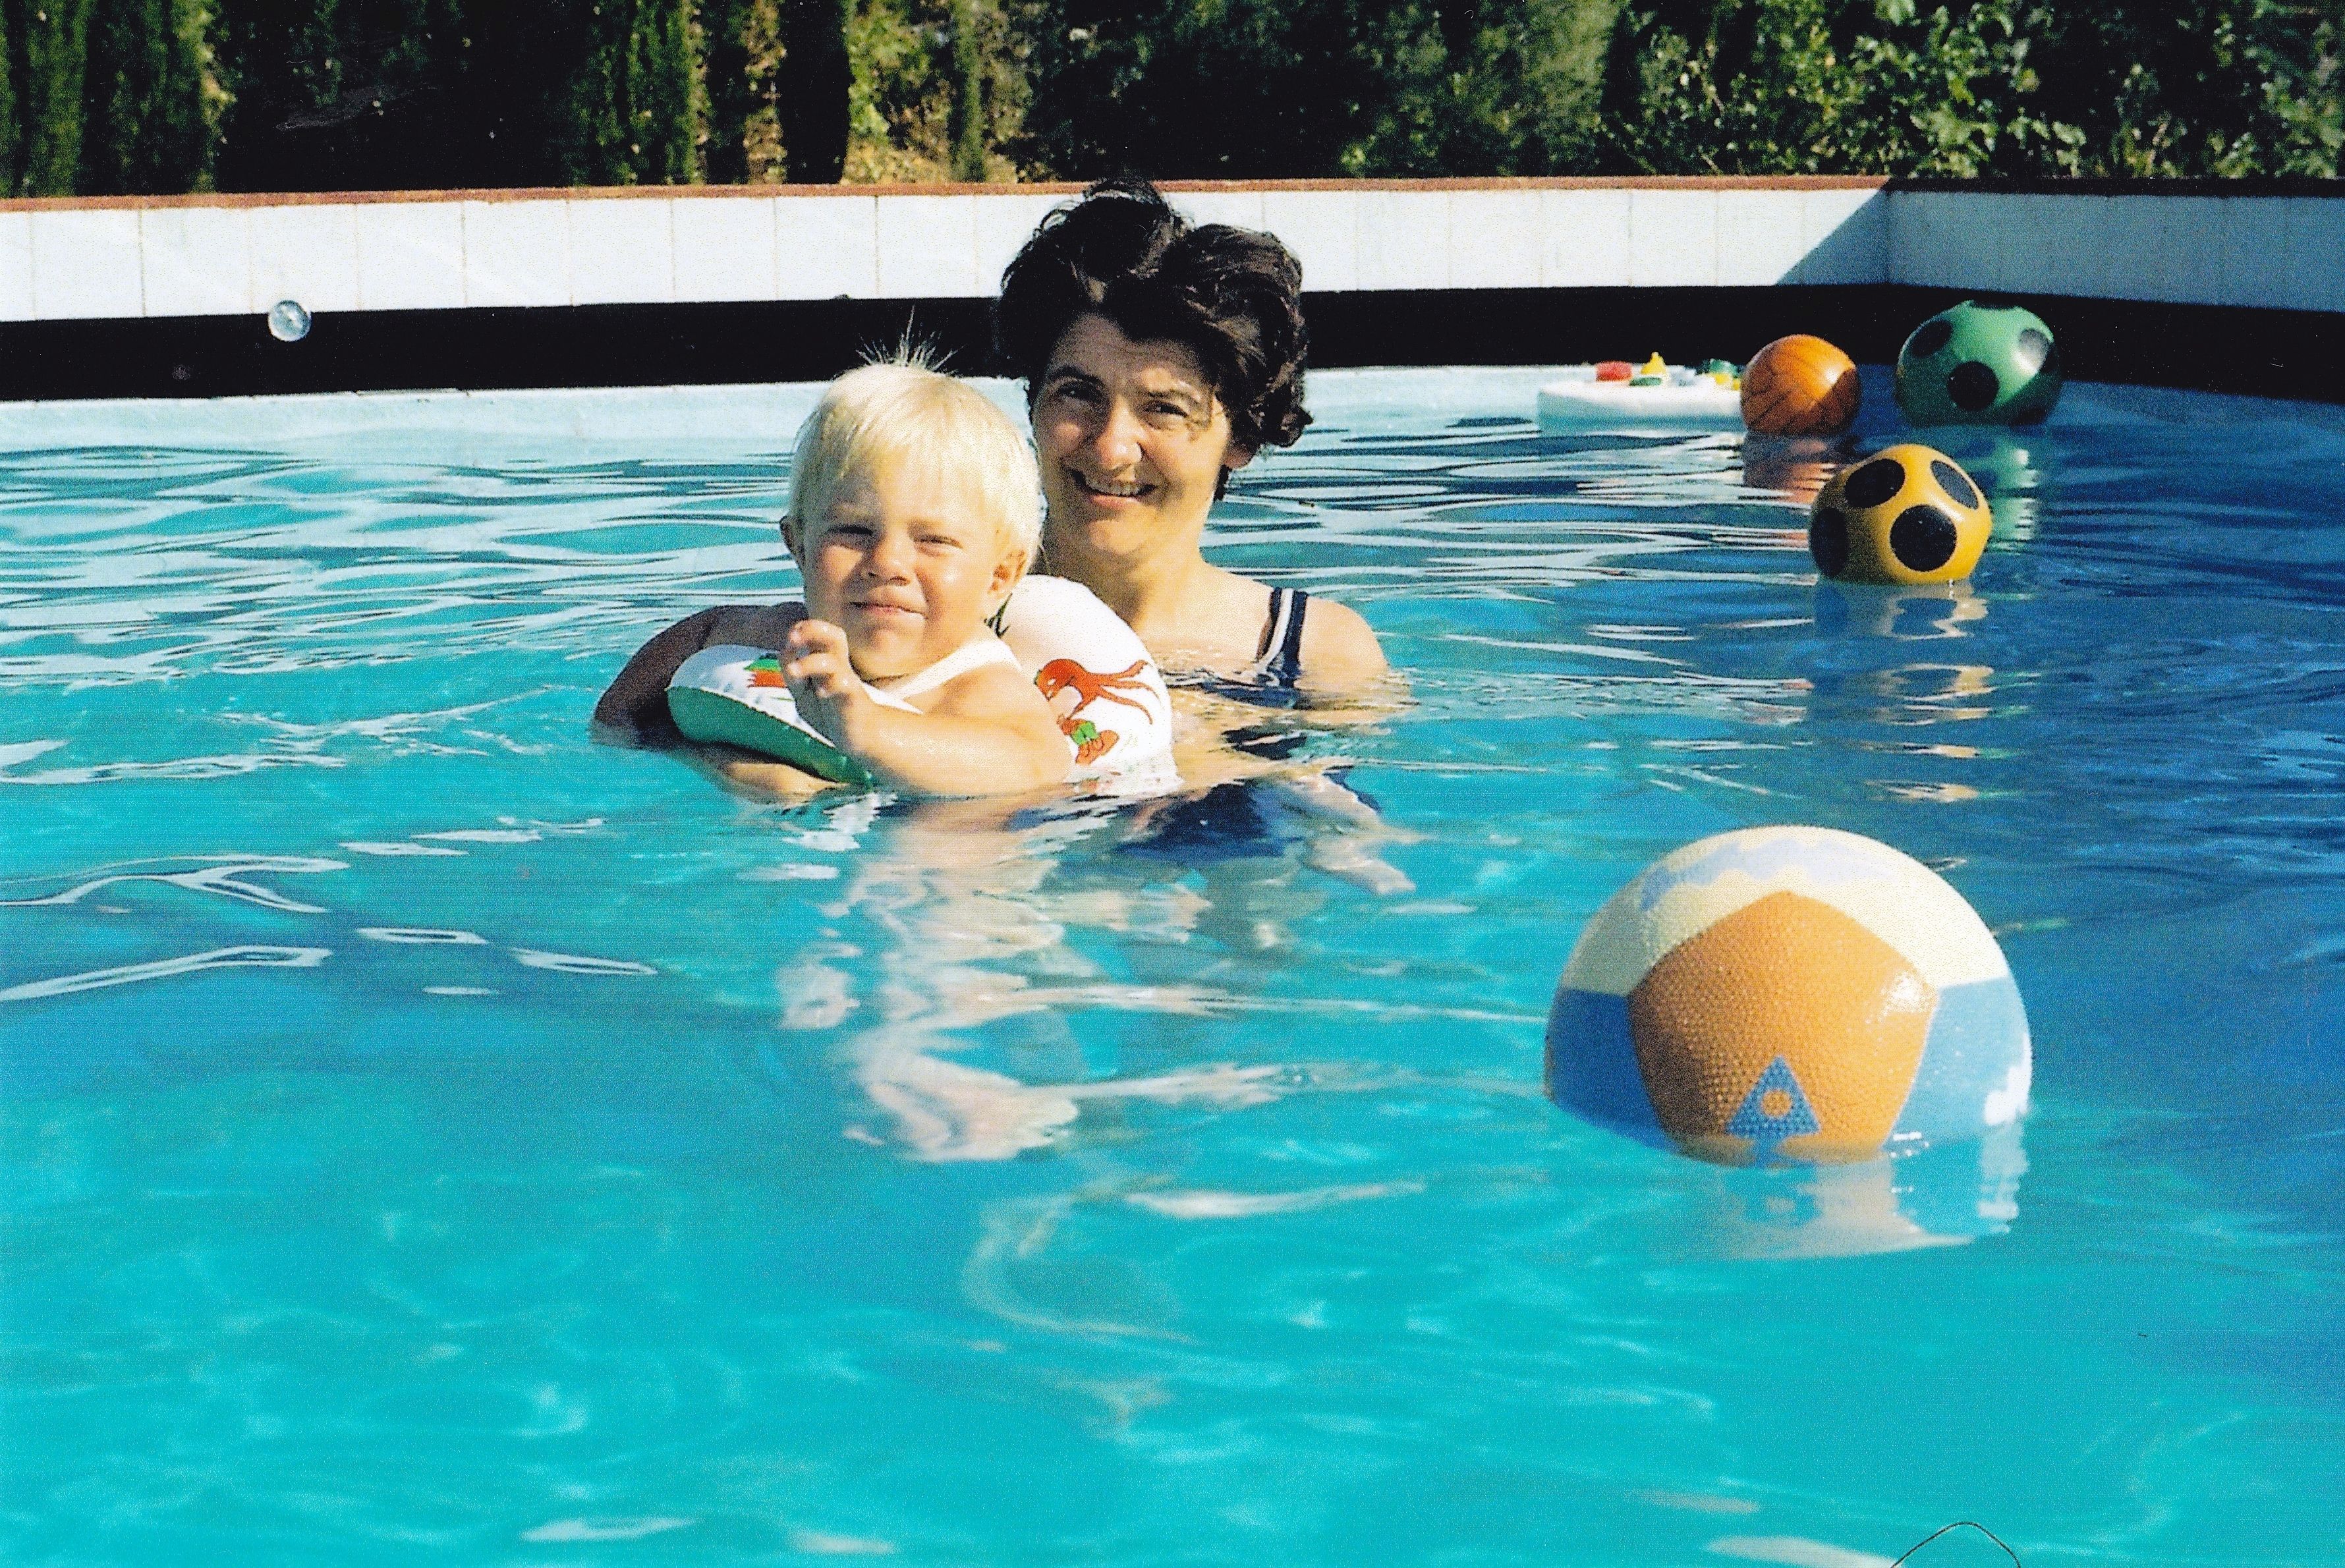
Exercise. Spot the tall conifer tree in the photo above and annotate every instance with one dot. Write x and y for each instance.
(818, 80)
(145, 128)
(54, 49)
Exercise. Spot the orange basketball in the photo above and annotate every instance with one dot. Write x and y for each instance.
(1800, 386)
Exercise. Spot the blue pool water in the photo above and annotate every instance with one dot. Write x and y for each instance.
(430, 1135)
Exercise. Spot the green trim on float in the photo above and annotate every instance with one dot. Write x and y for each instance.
(705, 715)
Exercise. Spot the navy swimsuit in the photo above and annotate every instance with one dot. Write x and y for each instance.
(1242, 817)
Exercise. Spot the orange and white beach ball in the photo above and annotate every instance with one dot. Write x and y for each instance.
(1789, 993)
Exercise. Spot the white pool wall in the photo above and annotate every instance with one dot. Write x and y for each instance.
(127, 257)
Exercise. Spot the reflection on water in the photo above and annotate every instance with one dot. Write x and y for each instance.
(960, 904)
(1938, 1197)
(1794, 467)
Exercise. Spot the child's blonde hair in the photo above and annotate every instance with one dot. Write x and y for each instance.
(892, 414)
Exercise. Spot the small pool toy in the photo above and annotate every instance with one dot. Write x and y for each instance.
(1800, 386)
(1615, 397)
(1905, 515)
(1979, 365)
(1106, 692)
(1789, 994)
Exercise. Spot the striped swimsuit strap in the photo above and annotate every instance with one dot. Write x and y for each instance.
(1280, 655)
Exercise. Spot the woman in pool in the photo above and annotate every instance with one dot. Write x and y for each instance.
(1158, 359)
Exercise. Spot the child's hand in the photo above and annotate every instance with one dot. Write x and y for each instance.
(822, 682)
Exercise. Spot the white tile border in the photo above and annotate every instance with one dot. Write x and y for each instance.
(1673, 238)
(307, 254)
(1238, 209)
(1003, 224)
(1843, 237)
(1584, 238)
(1321, 227)
(622, 252)
(724, 248)
(2316, 249)
(516, 252)
(1498, 239)
(1405, 240)
(85, 265)
(827, 248)
(15, 266)
(928, 247)
(553, 248)
(196, 260)
(411, 256)
(1762, 237)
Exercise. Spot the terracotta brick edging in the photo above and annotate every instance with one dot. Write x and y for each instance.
(1060, 188)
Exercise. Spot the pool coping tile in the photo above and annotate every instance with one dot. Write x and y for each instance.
(196, 260)
(1762, 237)
(307, 254)
(2191, 257)
(1584, 238)
(826, 249)
(726, 250)
(1498, 239)
(1001, 225)
(621, 252)
(86, 264)
(411, 258)
(1322, 229)
(928, 247)
(1673, 238)
(15, 266)
(2316, 251)
(1844, 237)
(516, 252)
(1238, 209)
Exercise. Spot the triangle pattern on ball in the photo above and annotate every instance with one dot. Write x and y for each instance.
(1768, 1126)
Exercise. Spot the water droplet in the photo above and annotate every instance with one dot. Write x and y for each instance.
(287, 321)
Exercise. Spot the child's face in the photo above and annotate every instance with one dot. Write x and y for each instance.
(908, 570)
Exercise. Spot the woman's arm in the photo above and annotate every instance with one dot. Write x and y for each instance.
(636, 700)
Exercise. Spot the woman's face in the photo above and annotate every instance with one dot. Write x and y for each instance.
(1133, 444)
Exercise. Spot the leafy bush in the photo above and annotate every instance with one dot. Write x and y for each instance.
(1245, 89)
(124, 96)
(1975, 87)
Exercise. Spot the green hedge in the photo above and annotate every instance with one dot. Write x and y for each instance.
(102, 96)
(2149, 88)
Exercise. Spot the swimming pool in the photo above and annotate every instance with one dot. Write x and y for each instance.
(426, 1129)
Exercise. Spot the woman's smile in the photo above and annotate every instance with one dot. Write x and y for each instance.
(1111, 489)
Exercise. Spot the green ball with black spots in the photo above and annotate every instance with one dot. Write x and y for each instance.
(1979, 365)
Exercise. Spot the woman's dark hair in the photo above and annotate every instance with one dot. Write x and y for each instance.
(1229, 296)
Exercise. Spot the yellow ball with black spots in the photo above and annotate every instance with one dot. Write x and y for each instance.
(1905, 515)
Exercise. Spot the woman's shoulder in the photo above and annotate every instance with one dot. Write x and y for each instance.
(1339, 646)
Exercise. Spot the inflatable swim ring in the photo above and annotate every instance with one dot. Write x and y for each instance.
(1613, 397)
(1106, 692)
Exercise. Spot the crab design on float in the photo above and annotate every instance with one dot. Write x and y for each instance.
(1062, 676)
